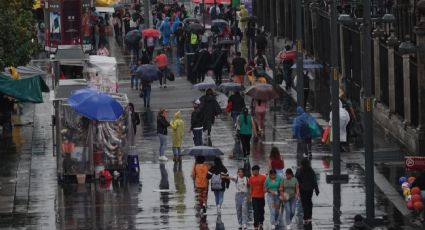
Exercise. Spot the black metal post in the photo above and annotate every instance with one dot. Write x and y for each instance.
(299, 44)
(203, 11)
(335, 114)
(147, 14)
(368, 112)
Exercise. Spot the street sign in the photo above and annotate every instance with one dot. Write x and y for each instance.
(415, 163)
(337, 179)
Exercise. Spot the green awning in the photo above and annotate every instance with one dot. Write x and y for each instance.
(24, 90)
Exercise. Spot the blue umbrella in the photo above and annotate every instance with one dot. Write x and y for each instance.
(309, 64)
(95, 105)
(204, 85)
(148, 72)
(205, 151)
(231, 87)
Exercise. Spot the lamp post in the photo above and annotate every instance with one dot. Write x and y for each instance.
(299, 43)
(335, 147)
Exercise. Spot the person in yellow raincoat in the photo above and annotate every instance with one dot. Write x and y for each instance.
(177, 125)
(243, 14)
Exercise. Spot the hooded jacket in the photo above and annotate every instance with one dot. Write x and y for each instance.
(344, 118)
(177, 125)
(300, 127)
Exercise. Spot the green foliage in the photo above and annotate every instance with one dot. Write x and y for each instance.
(18, 32)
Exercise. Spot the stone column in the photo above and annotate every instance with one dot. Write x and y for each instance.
(391, 42)
(406, 89)
(420, 43)
(377, 65)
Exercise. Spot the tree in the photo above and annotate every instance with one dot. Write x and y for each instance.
(18, 32)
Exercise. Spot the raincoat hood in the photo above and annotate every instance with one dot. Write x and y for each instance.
(300, 110)
(177, 115)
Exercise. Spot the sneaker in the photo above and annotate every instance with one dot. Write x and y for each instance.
(165, 86)
(305, 155)
(218, 210)
(163, 158)
(204, 208)
(244, 227)
(240, 226)
(310, 156)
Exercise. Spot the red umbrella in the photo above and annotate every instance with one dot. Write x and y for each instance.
(210, 2)
(151, 33)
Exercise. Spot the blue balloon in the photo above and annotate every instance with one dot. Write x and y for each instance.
(402, 180)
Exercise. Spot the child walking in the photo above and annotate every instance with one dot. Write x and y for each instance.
(241, 197)
(199, 175)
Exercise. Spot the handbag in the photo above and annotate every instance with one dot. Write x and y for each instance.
(169, 75)
(229, 107)
(141, 94)
(326, 135)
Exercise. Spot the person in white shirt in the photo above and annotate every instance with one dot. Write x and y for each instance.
(241, 197)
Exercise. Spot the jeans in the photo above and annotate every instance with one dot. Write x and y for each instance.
(241, 202)
(177, 151)
(258, 208)
(234, 116)
(307, 203)
(290, 206)
(219, 197)
(162, 78)
(272, 200)
(197, 137)
(134, 81)
(147, 96)
(162, 143)
(246, 144)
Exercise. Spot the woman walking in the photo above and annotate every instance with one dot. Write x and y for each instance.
(272, 186)
(241, 197)
(276, 162)
(161, 129)
(260, 114)
(199, 175)
(307, 183)
(177, 125)
(218, 174)
(291, 187)
(246, 127)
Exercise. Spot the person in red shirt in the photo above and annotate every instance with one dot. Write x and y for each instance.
(276, 162)
(256, 185)
(161, 62)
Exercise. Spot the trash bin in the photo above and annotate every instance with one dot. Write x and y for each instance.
(189, 58)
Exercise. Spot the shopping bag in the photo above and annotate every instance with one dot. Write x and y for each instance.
(326, 135)
(170, 75)
(229, 107)
(315, 130)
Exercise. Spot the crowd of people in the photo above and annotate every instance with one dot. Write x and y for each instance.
(286, 193)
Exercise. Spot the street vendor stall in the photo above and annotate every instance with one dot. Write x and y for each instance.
(93, 130)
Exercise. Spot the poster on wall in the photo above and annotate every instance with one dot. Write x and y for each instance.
(55, 26)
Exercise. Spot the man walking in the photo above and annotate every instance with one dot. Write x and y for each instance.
(161, 61)
(256, 185)
(239, 65)
(196, 123)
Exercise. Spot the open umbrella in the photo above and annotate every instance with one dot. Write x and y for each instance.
(196, 28)
(205, 151)
(205, 85)
(133, 37)
(148, 72)
(309, 64)
(264, 92)
(191, 20)
(95, 105)
(219, 22)
(226, 42)
(151, 33)
(231, 87)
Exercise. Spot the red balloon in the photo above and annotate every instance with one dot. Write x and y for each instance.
(416, 198)
(410, 205)
(415, 191)
(411, 179)
(418, 206)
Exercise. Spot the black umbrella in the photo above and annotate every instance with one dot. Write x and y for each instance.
(148, 72)
(191, 20)
(133, 37)
(205, 151)
(196, 28)
(226, 42)
(219, 22)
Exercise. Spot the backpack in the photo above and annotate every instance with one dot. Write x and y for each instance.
(304, 129)
(216, 182)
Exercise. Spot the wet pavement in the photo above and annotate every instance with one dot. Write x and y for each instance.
(164, 197)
